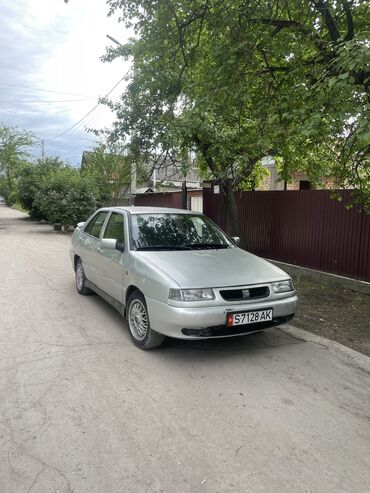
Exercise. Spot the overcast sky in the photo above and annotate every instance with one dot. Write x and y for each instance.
(50, 70)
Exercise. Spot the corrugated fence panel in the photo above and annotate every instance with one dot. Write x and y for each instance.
(306, 228)
(170, 199)
(213, 207)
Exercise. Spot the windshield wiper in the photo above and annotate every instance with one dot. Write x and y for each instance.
(206, 246)
(164, 247)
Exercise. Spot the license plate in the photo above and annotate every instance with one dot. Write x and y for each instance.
(251, 317)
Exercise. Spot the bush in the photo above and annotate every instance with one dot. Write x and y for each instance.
(66, 197)
(31, 178)
(11, 199)
(4, 187)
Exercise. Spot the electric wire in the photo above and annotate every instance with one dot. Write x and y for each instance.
(76, 132)
(56, 101)
(47, 90)
(89, 113)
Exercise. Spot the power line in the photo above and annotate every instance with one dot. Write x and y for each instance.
(89, 113)
(75, 136)
(55, 101)
(47, 90)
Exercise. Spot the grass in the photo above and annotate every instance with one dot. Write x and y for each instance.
(18, 207)
(334, 312)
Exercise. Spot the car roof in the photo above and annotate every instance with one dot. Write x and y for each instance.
(150, 210)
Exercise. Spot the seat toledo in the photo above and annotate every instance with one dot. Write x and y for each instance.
(174, 273)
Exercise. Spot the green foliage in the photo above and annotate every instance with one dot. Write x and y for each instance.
(255, 178)
(31, 178)
(234, 81)
(110, 168)
(4, 187)
(14, 146)
(67, 197)
(11, 199)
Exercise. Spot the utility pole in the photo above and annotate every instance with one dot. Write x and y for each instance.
(43, 151)
(133, 183)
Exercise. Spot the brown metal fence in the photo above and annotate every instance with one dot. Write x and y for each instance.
(306, 228)
(167, 199)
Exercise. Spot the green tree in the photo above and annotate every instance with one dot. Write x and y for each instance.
(234, 81)
(110, 168)
(67, 197)
(30, 180)
(14, 150)
(4, 189)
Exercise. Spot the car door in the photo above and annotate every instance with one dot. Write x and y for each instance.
(90, 245)
(112, 262)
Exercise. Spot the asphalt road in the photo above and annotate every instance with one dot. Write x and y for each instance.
(83, 410)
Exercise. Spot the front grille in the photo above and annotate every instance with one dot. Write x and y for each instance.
(245, 294)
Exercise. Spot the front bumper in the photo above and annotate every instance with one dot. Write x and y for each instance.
(210, 321)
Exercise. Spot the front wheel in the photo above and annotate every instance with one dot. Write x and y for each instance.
(138, 323)
(81, 279)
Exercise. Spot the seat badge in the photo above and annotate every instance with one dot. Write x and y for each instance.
(246, 294)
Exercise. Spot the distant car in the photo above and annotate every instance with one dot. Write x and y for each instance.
(2, 200)
(174, 273)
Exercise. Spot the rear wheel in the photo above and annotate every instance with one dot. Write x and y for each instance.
(138, 323)
(81, 279)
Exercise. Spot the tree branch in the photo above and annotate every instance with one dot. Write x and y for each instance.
(350, 27)
(324, 10)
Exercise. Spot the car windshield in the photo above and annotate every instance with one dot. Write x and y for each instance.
(175, 232)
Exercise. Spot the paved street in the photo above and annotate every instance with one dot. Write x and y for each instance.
(83, 410)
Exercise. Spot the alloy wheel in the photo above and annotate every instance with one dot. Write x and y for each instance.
(138, 320)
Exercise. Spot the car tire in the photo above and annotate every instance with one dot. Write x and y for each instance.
(138, 323)
(81, 279)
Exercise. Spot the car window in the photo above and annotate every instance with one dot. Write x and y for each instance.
(175, 232)
(95, 225)
(114, 228)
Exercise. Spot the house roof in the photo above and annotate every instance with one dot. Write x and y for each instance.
(165, 172)
(170, 172)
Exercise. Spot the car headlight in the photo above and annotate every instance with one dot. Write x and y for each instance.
(282, 286)
(191, 294)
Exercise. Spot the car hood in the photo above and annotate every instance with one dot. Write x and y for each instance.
(214, 268)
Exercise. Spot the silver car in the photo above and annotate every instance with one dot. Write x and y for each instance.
(174, 273)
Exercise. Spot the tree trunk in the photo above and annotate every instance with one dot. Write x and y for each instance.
(232, 215)
(8, 178)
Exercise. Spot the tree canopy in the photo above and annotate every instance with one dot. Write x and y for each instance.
(30, 180)
(111, 169)
(14, 150)
(234, 81)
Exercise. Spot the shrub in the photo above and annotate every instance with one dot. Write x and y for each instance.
(4, 187)
(31, 178)
(11, 199)
(66, 197)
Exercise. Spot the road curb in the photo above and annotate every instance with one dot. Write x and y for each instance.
(358, 359)
(320, 276)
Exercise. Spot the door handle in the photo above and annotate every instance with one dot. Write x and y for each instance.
(99, 250)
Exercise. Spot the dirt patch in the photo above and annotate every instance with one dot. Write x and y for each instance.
(334, 312)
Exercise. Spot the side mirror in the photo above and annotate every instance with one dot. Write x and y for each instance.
(236, 240)
(111, 244)
(80, 225)
(120, 246)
